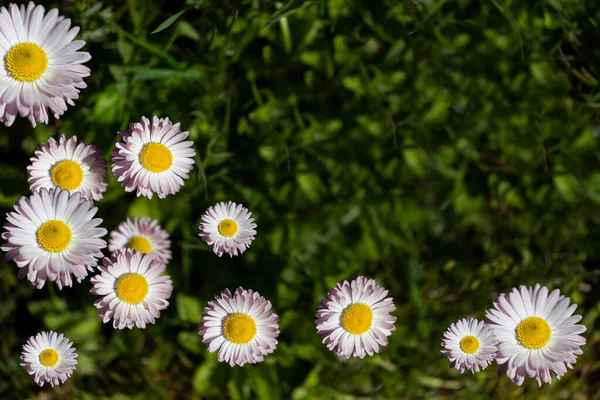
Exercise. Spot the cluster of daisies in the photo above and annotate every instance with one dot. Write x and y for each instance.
(54, 235)
(529, 333)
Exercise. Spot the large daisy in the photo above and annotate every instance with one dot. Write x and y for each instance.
(538, 333)
(133, 289)
(241, 326)
(53, 236)
(469, 344)
(228, 228)
(354, 319)
(142, 234)
(40, 67)
(49, 358)
(154, 157)
(69, 165)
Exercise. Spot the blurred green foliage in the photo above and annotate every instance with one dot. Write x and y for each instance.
(448, 149)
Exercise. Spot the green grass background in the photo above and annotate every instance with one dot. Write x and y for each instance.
(447, 148)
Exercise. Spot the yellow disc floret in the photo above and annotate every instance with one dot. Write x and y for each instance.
(26, 62)
(357, 319)
(54, 236)
(67, 175)
(49, 357)
(228, 227)
(132, 288)
(156, 157)
(239, 328)
(469, 344)
(139, 243)
(533, 333)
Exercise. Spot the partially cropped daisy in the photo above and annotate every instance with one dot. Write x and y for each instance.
(470, 345)
(41, 70)
(53, 236)
(354, 319)
(142, 234)
(538, 333)
(49, 357)
(69, 165)
(228, 228)
(133, 289)
(154, 158)
(242, 327)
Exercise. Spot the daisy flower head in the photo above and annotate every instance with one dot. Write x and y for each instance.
(49, 357)
(153, 158)
(142, 234)
(241, 326)
(52, 236)
(537, 333)
(470, 345)
(354, 319)
(41, 69)
(133, 289)
(70, 165)
(228, 228)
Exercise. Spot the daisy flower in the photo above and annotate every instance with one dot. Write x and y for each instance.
(69, 165)
(242, 327)
(53, 236)
(354, 319)
(228, 228)
(470, 345)
(142, 234)
(153, 158)
(40, 67)
(538, 333)
(133, 289)
(49, 357)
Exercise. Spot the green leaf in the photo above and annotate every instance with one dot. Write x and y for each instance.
(169, 21)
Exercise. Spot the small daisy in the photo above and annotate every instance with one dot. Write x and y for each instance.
(49, 357)
(133, 287)
(153, 158)
(69, 165)
(40, 67)
(53, 235)
(241, 326)
(228, 228)
(469, 345)
(538, 333)
(142, 234)
(354, 319)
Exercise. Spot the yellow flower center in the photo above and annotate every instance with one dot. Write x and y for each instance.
(357, 319)
(156, 157)
(139, 243)
(132, 288)
(67, 175)
(469, 344)
(533, 333)
(239, 328)
(26, 62)
(49, 357)
(228, 227)
(54, 236)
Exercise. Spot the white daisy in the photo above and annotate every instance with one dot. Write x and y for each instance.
(470, 345)
(354, 319)
(153, 158)
(228, 228)
(53, 235)
(241, 326)
(538, 333)
(69, 165)
(49, 357)
(133, 287)
(40, 67)
(142, 234)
